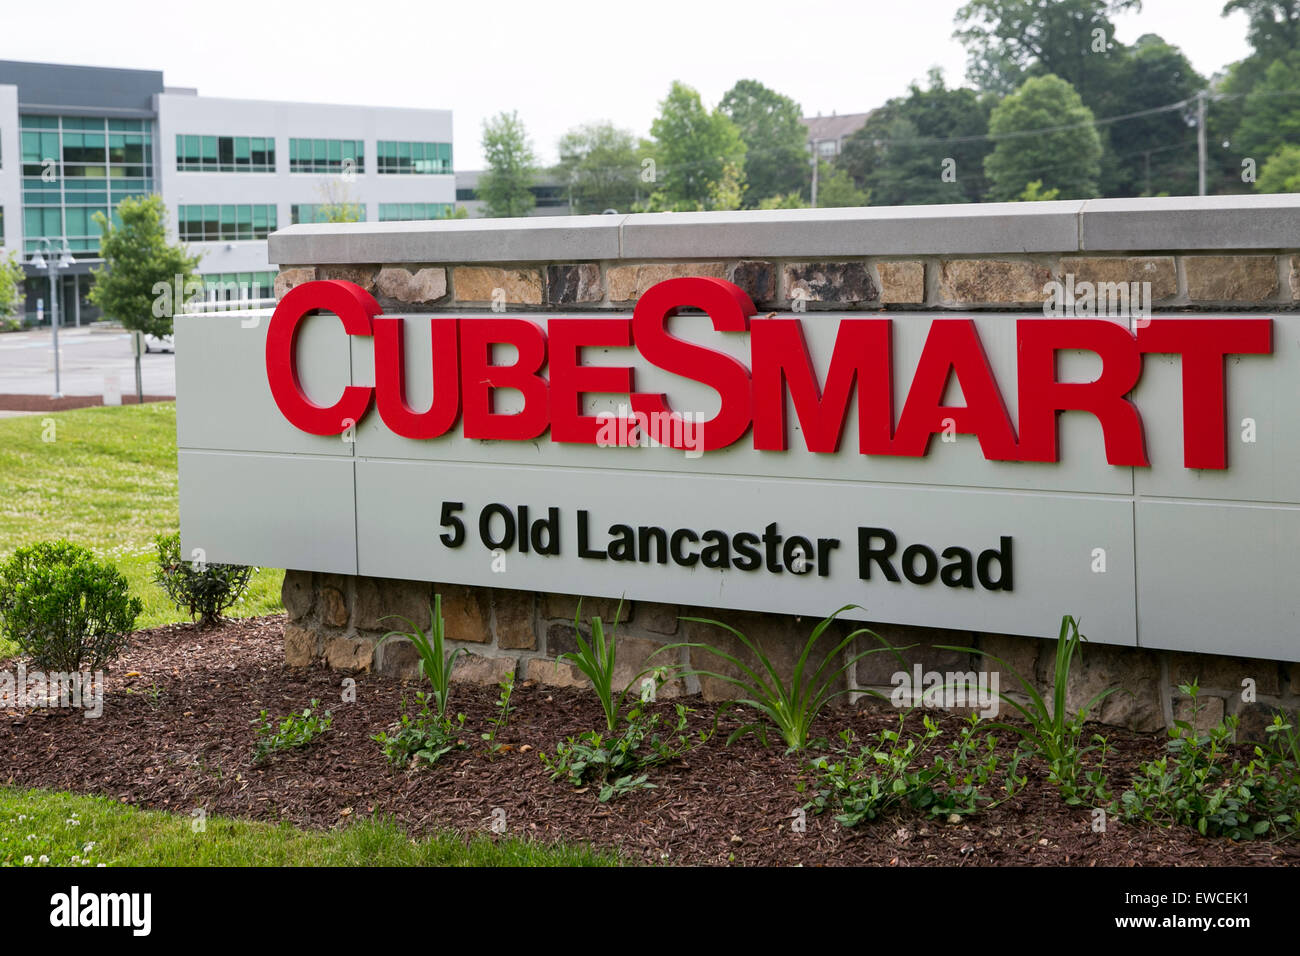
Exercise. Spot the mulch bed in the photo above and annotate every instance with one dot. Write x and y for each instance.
(43, 403)
(179, 736)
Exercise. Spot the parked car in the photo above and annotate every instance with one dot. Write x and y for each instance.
(154, 343)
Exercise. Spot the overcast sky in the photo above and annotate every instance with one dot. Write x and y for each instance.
(559, 64)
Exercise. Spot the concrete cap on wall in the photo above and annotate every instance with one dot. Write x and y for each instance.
(1094, 225)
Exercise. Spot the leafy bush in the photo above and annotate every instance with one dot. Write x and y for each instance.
(895, 769)
(425, 738)
(1199, 784)
(1053, 732)
(617, 762)
(296, 730)
(200, 589)
(63, 608)
(791, 707)
(435, 663)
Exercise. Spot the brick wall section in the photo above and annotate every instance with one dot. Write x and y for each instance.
(1244, 280)
(339, 621)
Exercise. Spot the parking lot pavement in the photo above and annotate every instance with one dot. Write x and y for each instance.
(88, 357)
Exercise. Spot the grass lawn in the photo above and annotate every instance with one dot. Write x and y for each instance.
(104, 478)
(69, 830)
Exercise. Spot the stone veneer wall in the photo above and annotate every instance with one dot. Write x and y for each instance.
(1220, 253)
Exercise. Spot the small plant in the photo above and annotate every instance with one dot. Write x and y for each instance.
(64, 609)
(791, 707)
(196, 587)
(504, 710)
(1197, 783)
(598, 660)
(896, 769)
(423, 739)
(1053, 732)
(435, 663)
(617, 762)
(296, 730)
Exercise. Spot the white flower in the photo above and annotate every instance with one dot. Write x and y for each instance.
(44, 858)
(27, 861)
(101, 864)
(74, 822)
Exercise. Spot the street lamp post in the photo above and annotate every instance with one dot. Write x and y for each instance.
(52, 267)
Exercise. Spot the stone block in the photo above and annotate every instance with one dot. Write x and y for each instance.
(1211, 711)
(467, 612)
(397, 657)
(565, 607)
(992, 281)
(915, 645)
(299, 646)
(380, 602)
(779, 637)
(630, 282)
(1293, 278)
(554, 673)
(477, 669)
(333, 607)
(363, 276)
(350, 653)
(481, 284)
(1224, 674)
(1231, 278)
(512, 619)
(297, 594)
(1158, 270)
(421, 287)
(288, 278)
(757, 277)
(902, 282)
(830, 282)
(1096, 667)
(660, 618)
(569, 284)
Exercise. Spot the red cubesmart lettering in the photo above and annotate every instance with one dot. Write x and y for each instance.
(390, 379)
(1042, 396)
(355, 307)
(481, 379)
(1203, 345)
(953, 347)
(570, 379)
(781, 361)
(730, 308)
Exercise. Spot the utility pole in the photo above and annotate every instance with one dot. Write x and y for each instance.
(1200, 143)
(814, 163)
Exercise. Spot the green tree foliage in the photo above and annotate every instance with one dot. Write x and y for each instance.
(776, 142)
(926, 147)
(139, 261)
(1155, 154)
(601, 165)
(11, 285)
(1008, 41)
(505, 186)
(1067, 159)
(1281, 172)
(693, 149)
(1270, 112)
(835, 188)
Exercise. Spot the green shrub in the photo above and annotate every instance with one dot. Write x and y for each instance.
(598, 661)
(200, 589)
(425, 738)
(64, 609)
(1051, 731)
(296, 730)
(895, 769)
(1198, 783)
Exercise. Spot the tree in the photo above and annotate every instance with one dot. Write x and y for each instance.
(1281, 172)
(599, 161)
(145, 280)
(1066, 157)
(692, 152)
(1009, 40)
(1274, 26)
(505, 187)
(337, 203)
(11, 286)
(1270, 113)
(1154, 154)
(926, 147)
(776, 142)
(835, 188)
